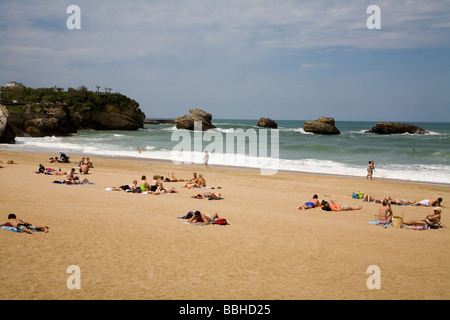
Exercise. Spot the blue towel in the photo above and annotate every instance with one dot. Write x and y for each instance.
(9, 228)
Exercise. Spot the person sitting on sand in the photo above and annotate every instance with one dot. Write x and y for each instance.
(41, 169)
(385, 212)
(201, 218)
(71, 175)
(89, 163)
(84, 168)
(143, 184)
(155, 184)
(337, 207)
(20, 225)
(430, 221)
(157, 187)
(201, 182)
(191, 182)
(312, 203)
(430, 203)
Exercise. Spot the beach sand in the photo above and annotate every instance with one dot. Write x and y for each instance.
(132, 246)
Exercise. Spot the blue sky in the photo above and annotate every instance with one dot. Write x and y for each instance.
(245, 59)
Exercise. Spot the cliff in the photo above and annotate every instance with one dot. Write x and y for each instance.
(48, 111)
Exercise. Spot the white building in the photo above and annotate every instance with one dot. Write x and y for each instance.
(14, 84)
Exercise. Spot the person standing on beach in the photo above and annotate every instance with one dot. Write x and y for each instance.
(370, 170)
(206, 159)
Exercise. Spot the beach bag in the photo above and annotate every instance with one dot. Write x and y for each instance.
(220, 221)
(358, 195)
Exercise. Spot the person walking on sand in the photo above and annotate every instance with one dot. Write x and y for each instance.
(370, 170)
(20, 225)
(206, 159)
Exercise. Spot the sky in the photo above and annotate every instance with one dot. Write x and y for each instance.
(286, 60)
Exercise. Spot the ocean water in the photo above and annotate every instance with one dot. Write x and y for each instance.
(409, 157)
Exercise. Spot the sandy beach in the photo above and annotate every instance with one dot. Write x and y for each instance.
(133, 246)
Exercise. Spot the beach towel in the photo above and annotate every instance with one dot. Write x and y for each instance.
(414, 227)
(196, 223)
(71, 184)
(10, 228)
(378, 223)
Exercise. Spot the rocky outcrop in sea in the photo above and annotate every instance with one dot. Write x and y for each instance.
(323, 125)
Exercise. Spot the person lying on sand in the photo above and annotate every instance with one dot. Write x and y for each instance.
(172, 178)
(20, 225)
(369, 198)
(131, 187)
(430, 221)
(208, 195)
(337, 207)
(312, 203)
(82, 181)
(430, 203)
(201, 218)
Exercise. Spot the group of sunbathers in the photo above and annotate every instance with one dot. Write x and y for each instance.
(385, 213)
(327, 206)
(156, 186)
(400, 201)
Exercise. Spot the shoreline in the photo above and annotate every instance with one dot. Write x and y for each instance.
(166, 161)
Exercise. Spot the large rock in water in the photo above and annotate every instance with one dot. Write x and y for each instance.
(188, 121)
(393, 128)
(267, 123)
(7, 134)
(323, 125)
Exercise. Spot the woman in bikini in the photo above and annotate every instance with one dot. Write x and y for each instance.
(385, 212)
(430, 220)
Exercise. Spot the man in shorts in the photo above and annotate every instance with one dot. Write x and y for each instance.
(22, 226)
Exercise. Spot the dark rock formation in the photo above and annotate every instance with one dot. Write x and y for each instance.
(267, 123)
(322, 125)
(112, 117)
(155, 121)
(393, 128)
(43, 124)
(187, 121)
(7, 134)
